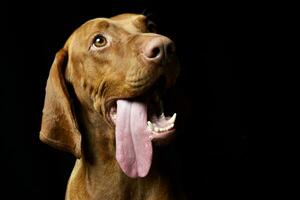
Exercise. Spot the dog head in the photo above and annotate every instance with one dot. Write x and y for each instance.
(119, 68)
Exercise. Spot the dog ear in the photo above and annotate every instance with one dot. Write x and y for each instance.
(59, 128)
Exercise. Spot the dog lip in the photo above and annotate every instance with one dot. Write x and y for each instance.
(110, 110)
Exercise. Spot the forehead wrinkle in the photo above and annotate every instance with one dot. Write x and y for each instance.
(131, 23)
(111, 27)
(129, 27)
(93, 25)
(100, 24)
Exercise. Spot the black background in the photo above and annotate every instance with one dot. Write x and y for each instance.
(215, 45)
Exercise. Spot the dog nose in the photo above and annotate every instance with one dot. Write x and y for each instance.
(158, 49)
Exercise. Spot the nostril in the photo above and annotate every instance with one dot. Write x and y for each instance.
(158, 49)
(154, 52)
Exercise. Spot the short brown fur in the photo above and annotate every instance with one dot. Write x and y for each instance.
(77, 121)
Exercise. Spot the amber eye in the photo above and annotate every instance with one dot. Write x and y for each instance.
(99, 41)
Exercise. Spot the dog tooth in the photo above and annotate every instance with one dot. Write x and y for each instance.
(171, 126)
(172, 119)
(150, 125)
(156, 129)
(154, 125)
(160, 130)
(162, 116)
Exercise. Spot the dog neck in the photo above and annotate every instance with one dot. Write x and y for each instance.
(97, 174)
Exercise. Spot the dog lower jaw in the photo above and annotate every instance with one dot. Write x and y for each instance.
(161, 127)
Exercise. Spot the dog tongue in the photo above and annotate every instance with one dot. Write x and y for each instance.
(133, 145)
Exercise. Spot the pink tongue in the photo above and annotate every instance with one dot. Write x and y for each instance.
(133, 145)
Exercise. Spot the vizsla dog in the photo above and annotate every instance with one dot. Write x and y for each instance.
(103, 104)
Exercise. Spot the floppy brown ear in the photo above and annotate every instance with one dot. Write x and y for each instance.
(59, 127)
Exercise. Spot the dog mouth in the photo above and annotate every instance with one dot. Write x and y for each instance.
(161, 126)
(138, 122)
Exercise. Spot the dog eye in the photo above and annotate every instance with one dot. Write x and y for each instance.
(99, 41)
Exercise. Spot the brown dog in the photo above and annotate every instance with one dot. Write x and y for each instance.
(103, 104)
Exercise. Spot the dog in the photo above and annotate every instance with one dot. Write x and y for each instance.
(103, 104)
